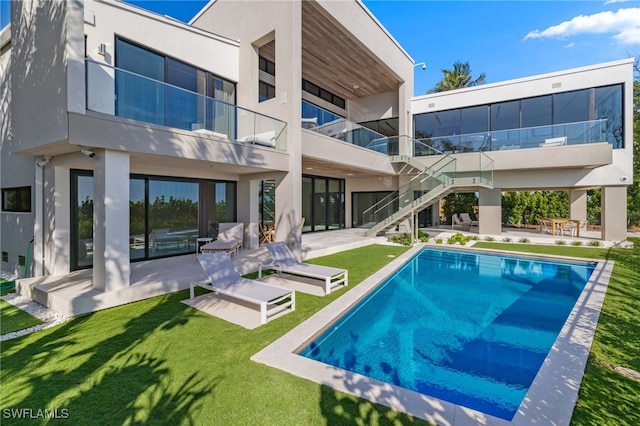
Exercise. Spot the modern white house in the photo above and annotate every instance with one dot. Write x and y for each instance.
(127, 135)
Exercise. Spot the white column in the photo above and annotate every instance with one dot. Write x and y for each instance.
(111, 264)
(578, 204)
(38, 223)
(490, 211)
(57, 220)
(613, 204)
(248, 203)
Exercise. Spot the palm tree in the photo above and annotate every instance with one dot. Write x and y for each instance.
(457, 78)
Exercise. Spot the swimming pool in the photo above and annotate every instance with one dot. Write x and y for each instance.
(469, 328)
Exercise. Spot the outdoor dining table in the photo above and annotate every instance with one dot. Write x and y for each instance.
(557, 223)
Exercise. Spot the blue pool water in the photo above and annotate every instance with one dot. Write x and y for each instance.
(472, 329)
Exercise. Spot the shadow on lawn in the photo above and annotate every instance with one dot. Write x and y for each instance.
(342, 409)
(92, 366)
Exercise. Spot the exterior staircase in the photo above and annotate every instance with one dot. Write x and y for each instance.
(427, 185)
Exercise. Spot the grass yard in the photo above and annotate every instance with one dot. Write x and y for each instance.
(606, 397)
(14, 319)
(161, 362)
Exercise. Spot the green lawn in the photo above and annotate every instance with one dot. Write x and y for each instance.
(160, 361)
(606, 398)
(13, 319)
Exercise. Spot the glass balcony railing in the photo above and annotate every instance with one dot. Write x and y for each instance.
(121, 93)
(329, 124)
(583, 132)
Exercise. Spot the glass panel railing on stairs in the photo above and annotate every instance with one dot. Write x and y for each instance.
(420, 184)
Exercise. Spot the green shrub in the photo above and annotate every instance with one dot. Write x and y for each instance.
(506, 240)
(423, 236)
(561, 242)
(524, 240)
(457, 238)
(404, 239)
(489, 238)
(576, 243)
(595, 243)
(438, 240)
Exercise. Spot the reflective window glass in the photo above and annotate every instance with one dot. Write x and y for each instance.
(448, 123)
(505, 115)
(536, 111)
(475, 119)
(608, 106)
(571, 107)
(424, 125)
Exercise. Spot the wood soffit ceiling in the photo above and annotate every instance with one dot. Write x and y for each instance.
(312, 166)
(333, 60)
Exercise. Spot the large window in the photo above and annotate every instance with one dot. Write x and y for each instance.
(267, 72)
(16, 199)
(583, 116)
(179, 106)
(361, 202)
(166, 215)
(323, 94)
(322, 203)
(267, 202)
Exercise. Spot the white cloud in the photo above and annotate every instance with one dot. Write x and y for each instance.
(615, 1)
(570, 45)
(624, 24)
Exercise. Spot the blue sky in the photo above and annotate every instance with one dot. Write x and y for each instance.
(503, 39)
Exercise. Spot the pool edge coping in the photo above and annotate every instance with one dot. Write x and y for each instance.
(549, 400)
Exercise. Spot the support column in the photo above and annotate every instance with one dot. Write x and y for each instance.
(490, 211)
(56, 221)
(578, 204)
(435, 213)
(111, 263)
(289, 210)
(613, 205)
(248, 191)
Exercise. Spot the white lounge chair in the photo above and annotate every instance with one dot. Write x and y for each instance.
(230, 236)
(285, 261)
(465, 218)
(457, 222)
(224, 279)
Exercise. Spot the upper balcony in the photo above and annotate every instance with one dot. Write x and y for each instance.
(326, 123)
(584, 132)
(121, 93)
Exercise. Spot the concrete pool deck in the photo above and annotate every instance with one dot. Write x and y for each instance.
(550, 399)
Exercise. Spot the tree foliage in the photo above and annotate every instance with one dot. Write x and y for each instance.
(457, 78)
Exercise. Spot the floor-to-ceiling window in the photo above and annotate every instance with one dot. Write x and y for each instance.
(166, 215)
(362, 202)
(583, 116)
(267, 202)
(181, 103)
(82, 219)
(322, 203)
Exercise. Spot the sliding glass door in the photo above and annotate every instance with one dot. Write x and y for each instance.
(322, 203)
(166, 215)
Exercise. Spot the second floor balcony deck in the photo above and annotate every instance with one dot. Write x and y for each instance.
(327, 123)
(577, 133)
(121, 93)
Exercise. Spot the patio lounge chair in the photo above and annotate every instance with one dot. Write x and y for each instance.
(457, 222)
(224, 279)
(285, 261)
(465, 218)
(230, 236)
